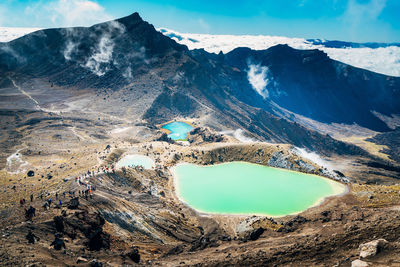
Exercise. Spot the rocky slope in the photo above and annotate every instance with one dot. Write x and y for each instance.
(139, 66)
(133, 217)
(392, 142)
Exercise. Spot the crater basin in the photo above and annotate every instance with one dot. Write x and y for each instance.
(133, 160)
(246, 188)
(178, 130)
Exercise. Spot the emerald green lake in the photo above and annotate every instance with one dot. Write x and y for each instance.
(246, 188)
(178, 130)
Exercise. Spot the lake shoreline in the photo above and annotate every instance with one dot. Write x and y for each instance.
(180, 129)
(339, 189)
(137, 160)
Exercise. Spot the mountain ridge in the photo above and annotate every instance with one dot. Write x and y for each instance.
(178, 82)
(382, 58)
(378, 57)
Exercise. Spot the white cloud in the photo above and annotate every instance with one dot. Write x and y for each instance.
(69, 13)
(8, 34)
(385, 60)
(257, 76)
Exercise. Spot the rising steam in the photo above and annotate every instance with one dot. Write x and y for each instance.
(257, 76)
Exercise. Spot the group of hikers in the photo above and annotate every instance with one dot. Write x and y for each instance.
(58, 202)
(57, 244)
(85, 190)
(82, 182)
(48, 202)
(30, 212)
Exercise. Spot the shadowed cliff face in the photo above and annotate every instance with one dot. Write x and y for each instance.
(309, 83)
(109, 54)
(238, 89)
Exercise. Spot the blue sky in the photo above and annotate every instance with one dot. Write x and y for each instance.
(349, 20)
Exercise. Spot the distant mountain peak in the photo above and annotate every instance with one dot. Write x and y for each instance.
(378, 57)
(130, 20)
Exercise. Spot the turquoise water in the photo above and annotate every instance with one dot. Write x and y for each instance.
(135, 160)
(245, 188)
(179, 130)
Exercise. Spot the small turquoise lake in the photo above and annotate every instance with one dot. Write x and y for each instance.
(246, 188)
(178, 130)
(135, 160)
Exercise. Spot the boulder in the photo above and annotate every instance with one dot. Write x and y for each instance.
(59, 223)
(280, 160)
(293, 224)
(305, 166)
(95, 263)
(98, 239)
(89, 224)
(176, 250)
(134, 255)
(372, 248)
(359, 263)
(326, 216)
(81, 259)
(73, 203)
(31, 173)
(62, 226)
(177, 157)
(339, 173)
(204, 135)
(256, 234)
(164, 138)
(204, 242)
(248, 233)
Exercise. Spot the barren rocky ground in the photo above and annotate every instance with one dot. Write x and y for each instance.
(136, 212)
(64, 126)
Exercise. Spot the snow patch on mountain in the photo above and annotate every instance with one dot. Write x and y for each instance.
(380, 58)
